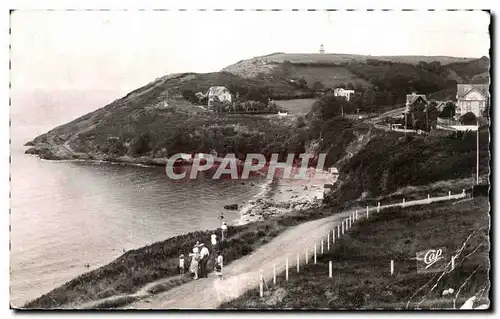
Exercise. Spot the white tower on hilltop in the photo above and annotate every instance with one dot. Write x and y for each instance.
(321, 49)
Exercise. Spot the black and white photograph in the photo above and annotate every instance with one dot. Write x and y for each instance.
(250, 159)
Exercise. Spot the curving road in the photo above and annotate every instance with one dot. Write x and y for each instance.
(243, 274)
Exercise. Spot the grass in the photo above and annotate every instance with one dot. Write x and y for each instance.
(390, 162)
(297, 106)
(136, 268)
(361, 259)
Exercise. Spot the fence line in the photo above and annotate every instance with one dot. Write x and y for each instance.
(347, 224)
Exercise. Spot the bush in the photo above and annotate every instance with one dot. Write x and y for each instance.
(468, 118)
(139, 145)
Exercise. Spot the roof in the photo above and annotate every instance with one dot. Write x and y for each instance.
(411, 98)
(216, 90)
(464, 89)
(343, 90)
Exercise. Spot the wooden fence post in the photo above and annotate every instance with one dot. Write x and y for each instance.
(449, 194)
(463, 192)
(338, 232)
(315, 254)
(307, 257)
(403, 202)
(261, 284)
(378, 207)
(321, 246)
(428, 198)
(452, 262)
(274, 274)
(356, 214)
(286, 269)
(367, 214)
(343, 227)
(328, 243)
(330, 269)
(392, 267)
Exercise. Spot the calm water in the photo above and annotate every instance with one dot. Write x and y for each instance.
(65, 215)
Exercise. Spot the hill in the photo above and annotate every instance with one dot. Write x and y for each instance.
(361, 277)
(162, 118)
(390, 162)
(332, 58)
(391, 77)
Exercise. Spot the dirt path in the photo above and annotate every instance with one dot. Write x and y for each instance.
(243, 274)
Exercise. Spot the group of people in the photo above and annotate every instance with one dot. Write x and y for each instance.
(200, 256)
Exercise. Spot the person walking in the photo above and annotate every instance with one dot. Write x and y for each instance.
(204, 255)
(195, 261)
(219, 264)
(181, 264)
(213, 240)
(224, 230)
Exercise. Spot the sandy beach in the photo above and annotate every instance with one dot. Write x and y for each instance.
(282, 196)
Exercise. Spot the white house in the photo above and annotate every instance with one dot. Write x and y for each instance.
(472, 98)
(220, 92)
(343, 92)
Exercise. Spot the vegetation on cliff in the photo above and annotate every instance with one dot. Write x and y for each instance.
(391, 161)
(361, 263)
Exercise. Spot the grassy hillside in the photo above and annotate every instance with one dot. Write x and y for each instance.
(390, 161)
(297, 106)
(139, 124)
(139, 267)
(136, 268)
(361, 260)
(342, 58)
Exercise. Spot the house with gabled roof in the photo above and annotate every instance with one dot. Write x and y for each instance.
(218, 93)
(344, 93)
(472, 98)
(415, 99)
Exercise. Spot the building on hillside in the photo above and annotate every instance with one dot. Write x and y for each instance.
(343, 92)
(440, 105)
(472, 98)
(220, 92)
(321, 49)
(414, 99)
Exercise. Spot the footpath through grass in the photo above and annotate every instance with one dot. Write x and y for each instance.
(361, 263)
(136, 268)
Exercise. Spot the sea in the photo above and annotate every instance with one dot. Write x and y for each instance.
(69, 217)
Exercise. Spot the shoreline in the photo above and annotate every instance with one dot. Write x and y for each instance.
(283, 196)
(277, 197)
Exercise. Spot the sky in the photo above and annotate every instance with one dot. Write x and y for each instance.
(122, 50)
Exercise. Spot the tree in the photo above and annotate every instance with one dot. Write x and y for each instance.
(303, 83)
(318, 86)
(468, 118)
(369, 97)
(432, 115)
(330, 106)
(448, 110)
(486, 112)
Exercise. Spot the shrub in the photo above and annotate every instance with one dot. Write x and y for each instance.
(468, 118)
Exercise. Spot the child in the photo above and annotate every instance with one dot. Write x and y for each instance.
(219, 265)
(224, 231)
(181, 264)
(213, 240)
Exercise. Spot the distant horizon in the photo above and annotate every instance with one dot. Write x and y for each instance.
(121, 50)
(361, 54)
